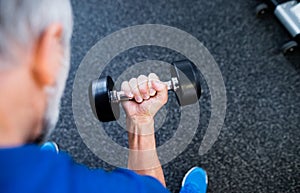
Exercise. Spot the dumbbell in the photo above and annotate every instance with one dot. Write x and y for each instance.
(185, 82)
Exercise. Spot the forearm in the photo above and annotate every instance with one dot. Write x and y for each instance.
(143, 157)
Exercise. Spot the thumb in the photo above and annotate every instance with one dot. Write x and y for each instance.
(159, 86)
(161, 89)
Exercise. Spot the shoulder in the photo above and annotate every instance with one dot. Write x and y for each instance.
(29, 165)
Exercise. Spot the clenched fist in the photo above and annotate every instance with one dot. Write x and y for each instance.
(149, 94)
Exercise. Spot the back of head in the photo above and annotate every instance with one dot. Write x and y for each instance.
(34, 61)
(23, 21)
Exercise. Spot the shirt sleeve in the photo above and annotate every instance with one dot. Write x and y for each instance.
(84, 180)
(29, 170)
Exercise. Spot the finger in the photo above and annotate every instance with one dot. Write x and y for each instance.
(152, 77)
(133, 83)
(159, 86)
(143, 86)
(162, 91)
(125, 87)
(156, 84)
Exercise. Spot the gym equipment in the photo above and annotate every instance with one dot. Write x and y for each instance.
(185, 82)
(288, 13)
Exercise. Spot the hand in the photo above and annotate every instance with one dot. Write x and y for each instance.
(150, 95)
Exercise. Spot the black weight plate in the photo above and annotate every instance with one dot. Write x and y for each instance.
(188, 77)
(100, 102)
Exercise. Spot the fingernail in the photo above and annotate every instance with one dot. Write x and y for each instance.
(152, 92)
(146, 97)
(130, 95)
(138, 99)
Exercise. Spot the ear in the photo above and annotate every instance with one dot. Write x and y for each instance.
(48, 56)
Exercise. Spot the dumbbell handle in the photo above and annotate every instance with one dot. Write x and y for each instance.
(118, 96)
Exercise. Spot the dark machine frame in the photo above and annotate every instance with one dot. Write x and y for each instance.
(288, 14)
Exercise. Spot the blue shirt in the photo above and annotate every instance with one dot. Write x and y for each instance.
(27, 169)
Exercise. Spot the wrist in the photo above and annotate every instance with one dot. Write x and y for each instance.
(141, 134)
(140, 126)
(140, 120)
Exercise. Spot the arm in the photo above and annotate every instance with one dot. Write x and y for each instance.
(151, 95)
(143, 156)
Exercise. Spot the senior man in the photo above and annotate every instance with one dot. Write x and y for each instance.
(34, 62)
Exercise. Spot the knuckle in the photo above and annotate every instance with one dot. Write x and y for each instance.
(142, 77)
(142, 80)
(153, 76)
(124, 84)
(125, 87)
(132, 81)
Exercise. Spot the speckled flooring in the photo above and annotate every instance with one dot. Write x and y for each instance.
(258, 149)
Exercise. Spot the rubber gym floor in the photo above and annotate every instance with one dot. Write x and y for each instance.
(258, 149)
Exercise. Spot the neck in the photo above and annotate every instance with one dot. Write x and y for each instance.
(20, 121)
(8, 139)
(17, 130)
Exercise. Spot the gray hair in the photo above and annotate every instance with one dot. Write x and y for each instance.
(23, 21)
